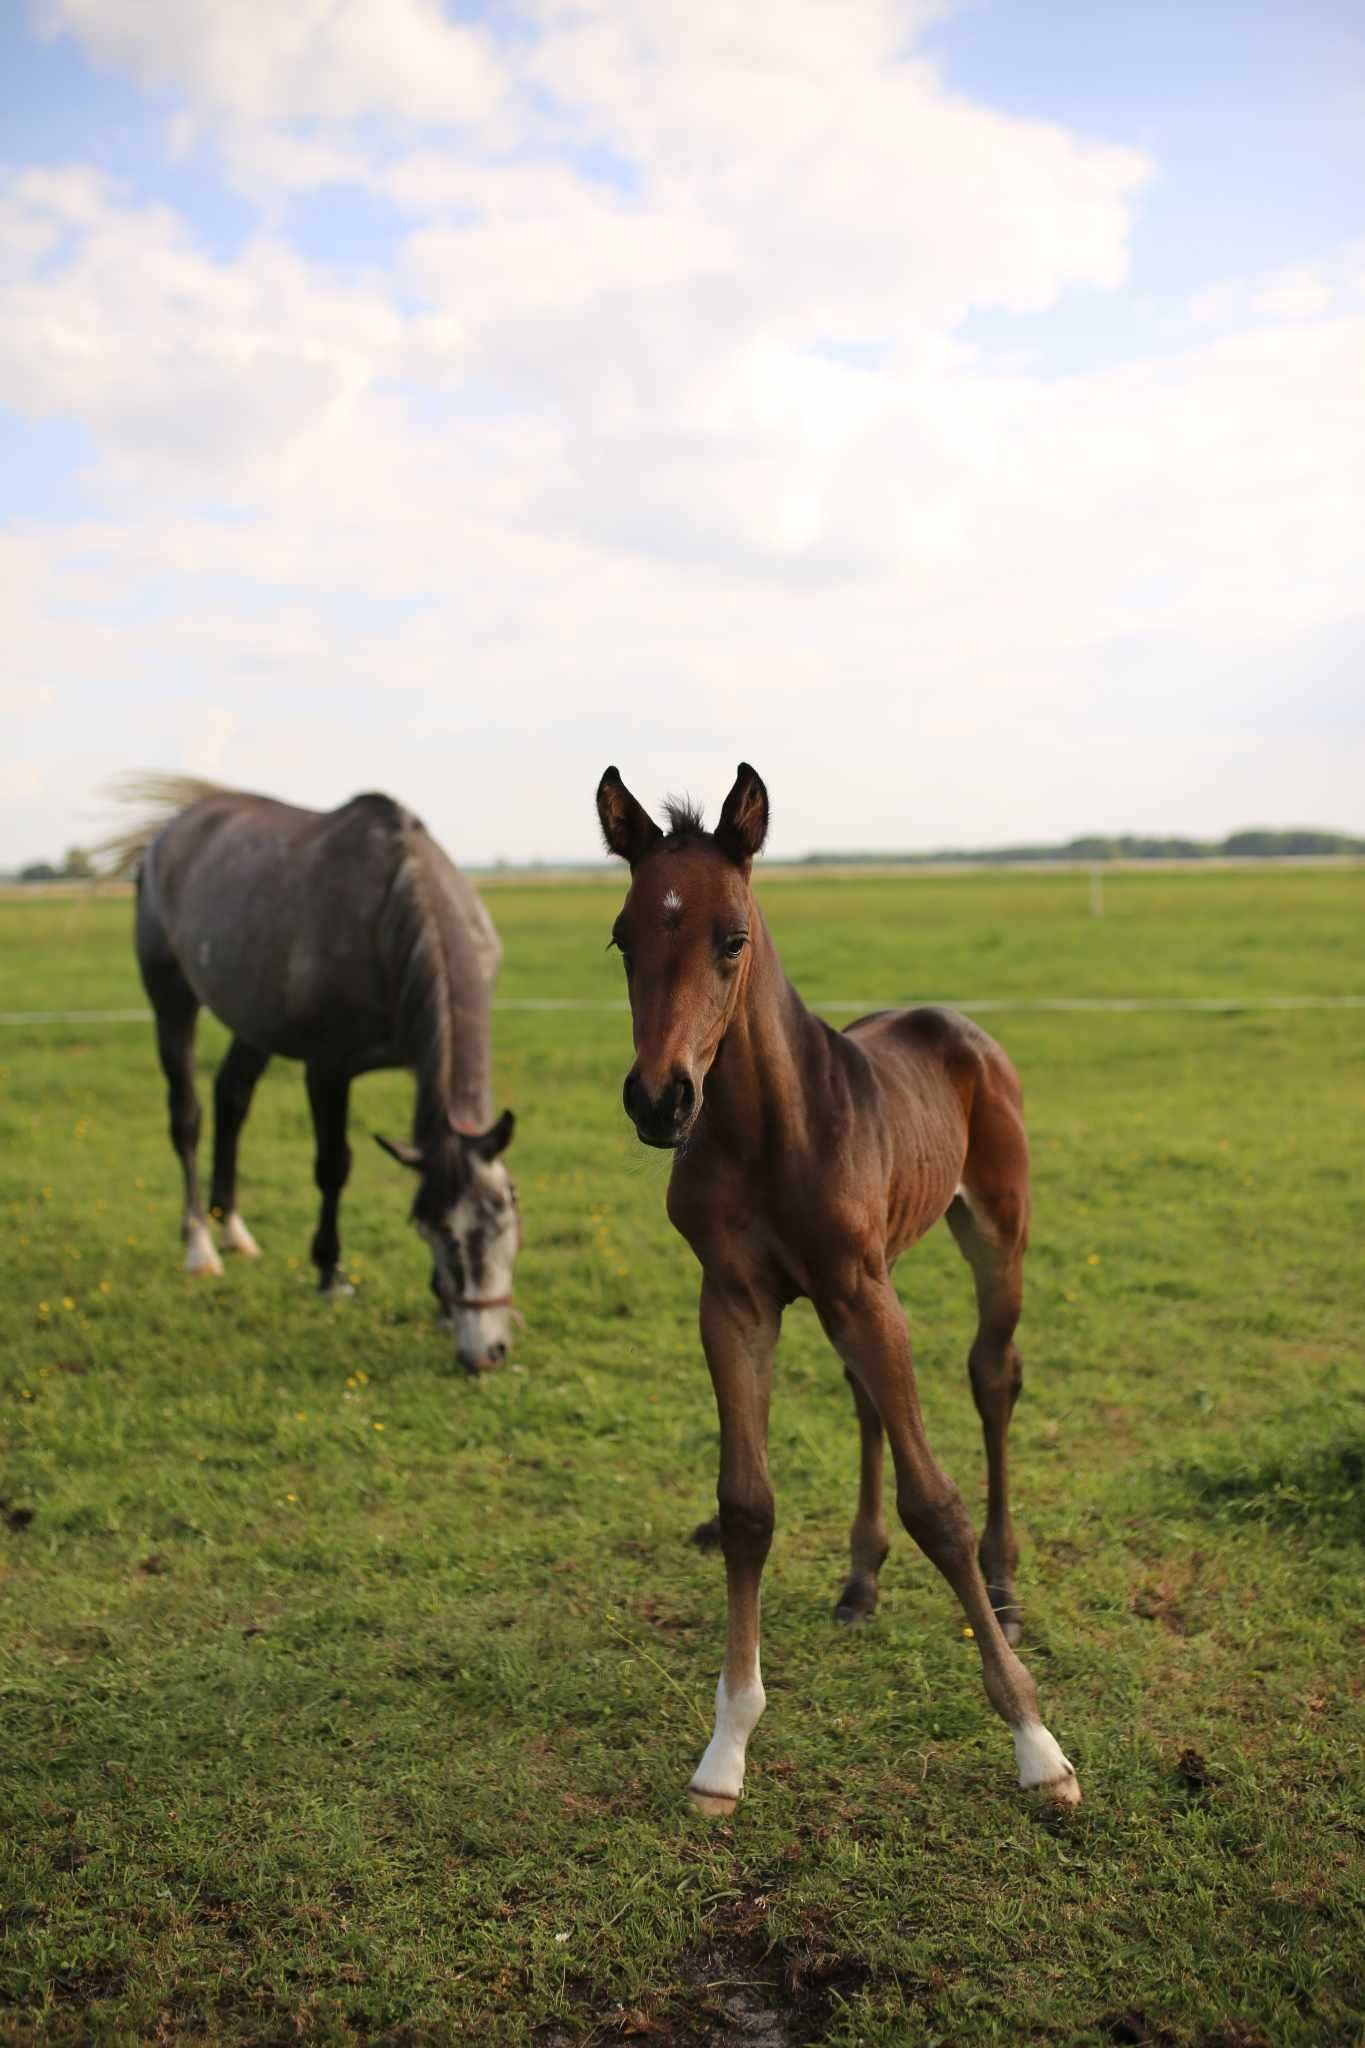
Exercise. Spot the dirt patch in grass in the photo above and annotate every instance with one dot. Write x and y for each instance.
(736, 1987)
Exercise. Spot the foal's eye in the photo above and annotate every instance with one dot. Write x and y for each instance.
(735, 945)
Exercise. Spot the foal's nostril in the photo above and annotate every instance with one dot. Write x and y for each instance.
(684, 1095)
(628, 1094)
(496, 1353)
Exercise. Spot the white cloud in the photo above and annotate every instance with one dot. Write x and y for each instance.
(1297, 294)
(257, 61)
(672, 468)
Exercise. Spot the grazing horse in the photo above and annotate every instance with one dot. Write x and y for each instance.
(348, 940)
(805, 1161)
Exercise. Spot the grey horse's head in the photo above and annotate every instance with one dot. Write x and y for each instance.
(466, 1209)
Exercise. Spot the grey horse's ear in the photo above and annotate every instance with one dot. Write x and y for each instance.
(743, 823)
(406, 1155)
(626, 825)
(489, 1143)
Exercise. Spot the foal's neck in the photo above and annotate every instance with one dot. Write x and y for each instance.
(756, 1084)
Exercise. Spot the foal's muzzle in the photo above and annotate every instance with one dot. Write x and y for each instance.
(663, 1119)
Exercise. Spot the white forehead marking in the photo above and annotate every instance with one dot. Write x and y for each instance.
(672, 901)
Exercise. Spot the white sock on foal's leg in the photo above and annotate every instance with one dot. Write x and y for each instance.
(719, 1777)
(200, 1256)
(1042, 1767)
(237, 1238)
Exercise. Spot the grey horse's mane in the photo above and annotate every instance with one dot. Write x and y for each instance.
(422, 972)
(160, 797)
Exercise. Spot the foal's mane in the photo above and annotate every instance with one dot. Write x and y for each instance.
(684, 818)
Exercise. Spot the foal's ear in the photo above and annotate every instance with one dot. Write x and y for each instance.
(743, 823)
(406, 1155)
(626, 825)
(489, 1143)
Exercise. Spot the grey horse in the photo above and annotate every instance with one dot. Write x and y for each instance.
(349, 940)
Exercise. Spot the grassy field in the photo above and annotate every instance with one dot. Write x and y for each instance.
(342, 1699)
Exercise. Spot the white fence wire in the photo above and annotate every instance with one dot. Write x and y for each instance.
(842, 1006)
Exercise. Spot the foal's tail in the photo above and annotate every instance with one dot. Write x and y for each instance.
(161, 797)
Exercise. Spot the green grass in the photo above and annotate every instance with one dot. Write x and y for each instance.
(342, 1699)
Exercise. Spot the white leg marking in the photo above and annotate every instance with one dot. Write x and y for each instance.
(1042, 1767)
(200, 1257)
(719, 1777)
(237, 1238)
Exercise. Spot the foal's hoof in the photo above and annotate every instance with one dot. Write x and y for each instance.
(856, 1603)
(1065, 1791)
(714, 1805)
(1042, 1767)
(335, 1287)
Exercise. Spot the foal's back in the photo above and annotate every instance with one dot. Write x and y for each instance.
(946, 1103)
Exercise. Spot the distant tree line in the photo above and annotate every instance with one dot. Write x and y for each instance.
(78, 866)
(1256, 844)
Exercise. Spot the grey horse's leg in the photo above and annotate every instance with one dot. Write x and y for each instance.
(329, 1097)
(177, 1012)
(233, 1087)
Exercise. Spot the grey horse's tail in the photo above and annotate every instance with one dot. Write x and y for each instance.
(160, 797)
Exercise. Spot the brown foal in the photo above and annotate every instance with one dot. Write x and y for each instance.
(805, 1161)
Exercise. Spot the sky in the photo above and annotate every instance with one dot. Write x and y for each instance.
(957, 410)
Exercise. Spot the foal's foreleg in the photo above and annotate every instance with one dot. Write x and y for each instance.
(868, 1541)
(233, 1087)
(739, 1333)
(868, 1329)
(329, 1099)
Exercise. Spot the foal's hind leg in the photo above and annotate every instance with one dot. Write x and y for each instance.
(991, 1246)
(232, 1091)
(177, 1011)
(867, 1327)
(868, 1540)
